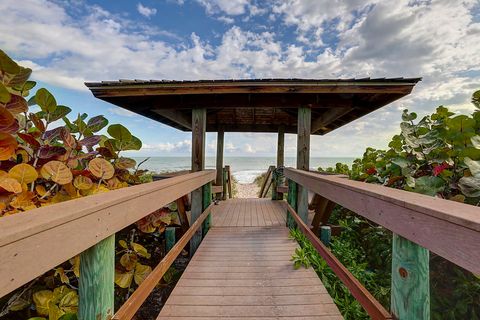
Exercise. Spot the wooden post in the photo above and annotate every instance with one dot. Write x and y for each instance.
(326, 235)
(199, 120)
(219, 179)
(207, 199)
(292, 201)
(280, 146)
(303, 157)
(169, 238)
(224, 184)
(410, 296)
(96, 283)
(229, 177)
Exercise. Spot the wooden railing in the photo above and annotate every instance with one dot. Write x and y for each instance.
(34, 242)
(420, 224)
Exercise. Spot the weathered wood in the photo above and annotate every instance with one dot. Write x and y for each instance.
(303, 157)
(319, 204)
(96, 285)
(281, 146)
(328, 117)
(130, 307)
(292, 201)
(248, 213)
(326, 235)
(229, 177)
(275, 183)
(182, 213)
(209, 289)
(176, 116)
(207, 200)
(410, 293)
(224, 183)
(199, 118)
(265, 182)
(169, 238)
(219, 159)
(447, 228)
(50, 235)
(358, 291)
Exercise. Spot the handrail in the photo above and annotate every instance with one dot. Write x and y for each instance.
(130, 307)
(447, 228)
(358, 291)
(32, 243)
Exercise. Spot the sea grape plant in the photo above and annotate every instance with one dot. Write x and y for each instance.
(45, 158)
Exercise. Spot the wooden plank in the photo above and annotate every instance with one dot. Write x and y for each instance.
(303, 299)
(303, 157)
(410, 293)
(328, 117)
(217, 189)
(249, 291)
(229, 184)
(219, 158)
(96, 285)
(199, 118)
(358, 291)
(281, 146)
(224, 183)
(176, 116)
(265, 181)
(50, 235)
(447, 228)
(182, 213)
(130, 307)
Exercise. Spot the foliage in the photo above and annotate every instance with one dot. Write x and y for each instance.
(47, 158)
(436, 156)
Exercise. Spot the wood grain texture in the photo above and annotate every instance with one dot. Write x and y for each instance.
(53, 234)
(207, 200)
(374, 309)
(281, 146)
(410, 295)
(219, 157)
(303, 138)
(229, 178)
(130, 307)
(96, 284)
(199, 120)
(447, 228)
(292, 201)
(248, 213)
(213, 287)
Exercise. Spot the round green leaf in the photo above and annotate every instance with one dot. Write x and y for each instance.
(119, 132)
(45, 100)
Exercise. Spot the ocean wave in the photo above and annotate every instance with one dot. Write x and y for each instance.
(246, 176)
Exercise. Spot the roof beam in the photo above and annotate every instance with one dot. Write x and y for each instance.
(328, 117)
(175, 116)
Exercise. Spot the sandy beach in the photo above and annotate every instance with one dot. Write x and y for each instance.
(247, 190)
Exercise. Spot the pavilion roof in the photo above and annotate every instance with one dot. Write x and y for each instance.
(259, 105)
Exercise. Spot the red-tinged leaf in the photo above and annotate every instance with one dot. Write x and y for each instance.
(106, 152)
(8, 144)
(90, 141)
(12, 128)
(97, 123)
(89, 155)
(17, 105)
(53, 134)
(28, 138)
(6, 119)
(38, 123)
(47, 152)
(68, 139)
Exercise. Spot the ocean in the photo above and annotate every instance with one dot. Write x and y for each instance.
(244, 169)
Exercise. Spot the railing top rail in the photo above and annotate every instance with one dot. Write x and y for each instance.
(448, 228)
(51, 235)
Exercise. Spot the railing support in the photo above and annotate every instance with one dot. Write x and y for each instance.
(292, 201)
(410, 280)
(96, 282)
(169, 238)
(277, 180)
(325, 235)
(224, 183)
(207, 200)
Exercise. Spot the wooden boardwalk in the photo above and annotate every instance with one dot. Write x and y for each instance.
(242, 270)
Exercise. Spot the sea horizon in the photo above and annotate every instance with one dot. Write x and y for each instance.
(244, 169)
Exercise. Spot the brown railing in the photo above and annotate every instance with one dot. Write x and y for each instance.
(419, 223)
(34, 242)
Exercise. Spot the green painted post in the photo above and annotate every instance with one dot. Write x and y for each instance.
(96, 282)
(169, 238)
(275, 176)
(207, 200)
(410, 296)
(292, 201)
(325, 235)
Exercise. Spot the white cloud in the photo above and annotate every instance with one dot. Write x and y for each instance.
(229, 7)
(146, 11)
(184, 146)
(226, 20)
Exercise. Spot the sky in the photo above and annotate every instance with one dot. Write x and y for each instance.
(72, 41)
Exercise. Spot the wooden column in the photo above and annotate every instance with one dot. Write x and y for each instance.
(219, 167)
(199, 117)
(410, 296)
(303, 157)
(281, 146)
(96, 283)
(292, 201)
(207, 200)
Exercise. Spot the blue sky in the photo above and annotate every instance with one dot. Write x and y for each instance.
(72, 41)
